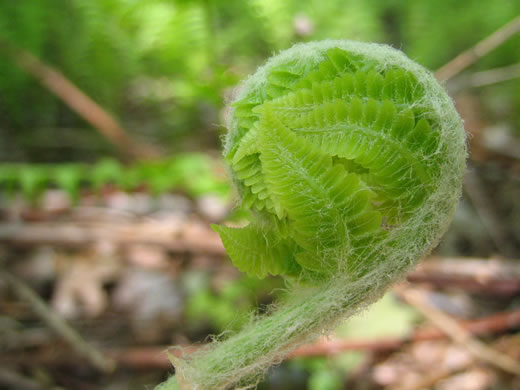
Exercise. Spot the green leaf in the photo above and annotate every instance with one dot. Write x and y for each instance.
(33, 181)
(326, 206)
(107, 171)
(69, 178)
(8, 178)
(257, 251)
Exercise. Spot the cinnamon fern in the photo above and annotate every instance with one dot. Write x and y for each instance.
(339, 151)
(350, 157)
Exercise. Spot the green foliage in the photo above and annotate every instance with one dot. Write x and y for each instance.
(192, 173)
(166, 58)
(327, 152)
(228, 306)
(435, 32)
(164, 66)
(82, 39)
(324, 378)
(351, 157)
(258, 252)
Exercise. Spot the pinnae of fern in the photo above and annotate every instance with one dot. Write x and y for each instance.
(350, 157)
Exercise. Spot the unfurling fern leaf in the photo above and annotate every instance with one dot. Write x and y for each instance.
(351, 158)
(304, 128)
(269, 253)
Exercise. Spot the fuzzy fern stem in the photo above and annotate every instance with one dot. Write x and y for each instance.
(350, 157)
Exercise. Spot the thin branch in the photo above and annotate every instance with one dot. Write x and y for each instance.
(470, 267)
(457, 333)
(79, 102)
(148, 357)
(156, 357)
(484, 78)
(470, 56)
(492, 324)
(481, 276)
(184, 237)
(484, 276)
(58, 324)
(494, 76)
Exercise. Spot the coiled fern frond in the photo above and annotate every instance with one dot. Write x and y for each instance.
(350, 157)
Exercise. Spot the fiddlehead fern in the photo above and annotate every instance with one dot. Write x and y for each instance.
(350, 157)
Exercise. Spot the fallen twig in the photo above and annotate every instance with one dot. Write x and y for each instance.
(58, 324)
(494, 76)
(177, 238)
(156, 357)
(468, 57)
(482, 276)
(457, 332)
(147, 357)
(483, 326)
(79, 102)
(471, 267)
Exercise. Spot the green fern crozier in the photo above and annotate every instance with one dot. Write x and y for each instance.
(350, 157)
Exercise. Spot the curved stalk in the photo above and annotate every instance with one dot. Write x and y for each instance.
(351, 157)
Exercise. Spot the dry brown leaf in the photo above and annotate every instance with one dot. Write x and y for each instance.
(79, 289)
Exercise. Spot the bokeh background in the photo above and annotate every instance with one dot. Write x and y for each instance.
(111, 115)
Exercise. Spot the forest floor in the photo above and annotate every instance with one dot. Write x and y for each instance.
(93, 294)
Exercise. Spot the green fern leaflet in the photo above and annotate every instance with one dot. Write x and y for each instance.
(335, 154)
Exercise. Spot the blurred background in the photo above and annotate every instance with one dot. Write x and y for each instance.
(111, 115)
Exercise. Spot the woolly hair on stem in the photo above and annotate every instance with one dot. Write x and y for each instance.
(350, 157)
